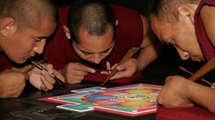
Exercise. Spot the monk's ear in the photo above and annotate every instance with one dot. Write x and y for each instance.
(117, 22)
(7, 25)
(186, 11)
(67, 32)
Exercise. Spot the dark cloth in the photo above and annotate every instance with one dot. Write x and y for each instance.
(4, 63)
(184, 113)
(206, 45)
(129, 33)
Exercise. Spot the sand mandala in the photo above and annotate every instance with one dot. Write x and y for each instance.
(130, 100)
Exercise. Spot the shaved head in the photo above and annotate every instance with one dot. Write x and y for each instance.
(92, 15)
(29, 13)
(167, 10)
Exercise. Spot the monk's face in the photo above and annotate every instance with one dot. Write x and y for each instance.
(19, 45)
(181, 35)
(94, 48)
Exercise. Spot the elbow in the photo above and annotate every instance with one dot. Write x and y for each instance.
(212, 107)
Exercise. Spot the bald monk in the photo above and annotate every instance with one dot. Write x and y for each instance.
(95, 35)
(25, 25)
(189, 26)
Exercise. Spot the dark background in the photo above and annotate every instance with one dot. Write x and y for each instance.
(138, 5)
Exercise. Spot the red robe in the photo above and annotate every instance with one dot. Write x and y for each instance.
(4, 64)
(206, 46)
(129, 33)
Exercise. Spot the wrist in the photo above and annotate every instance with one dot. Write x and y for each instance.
(140, 66)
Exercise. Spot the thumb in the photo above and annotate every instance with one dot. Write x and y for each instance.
(120, 67)
(43, 87)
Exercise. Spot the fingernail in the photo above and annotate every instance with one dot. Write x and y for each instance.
(213, 85)
(42, 78)
(118, 67)
(51, 70)
(43, 72)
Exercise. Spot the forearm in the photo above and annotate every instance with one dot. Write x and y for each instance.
(11, 83)
(149, 54)
(203, 96)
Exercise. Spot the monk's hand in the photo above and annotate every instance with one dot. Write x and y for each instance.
(12, 83)
(213, 86)
(126, 69)
(109, 68)
(75, 72)
(42, 80)
(175, 92)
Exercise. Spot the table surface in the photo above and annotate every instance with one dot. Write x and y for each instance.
(27, 107)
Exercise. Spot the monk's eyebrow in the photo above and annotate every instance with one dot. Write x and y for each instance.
(163, 41)
(106, 50)
(94, 52)
(43, 37)
(85, 52)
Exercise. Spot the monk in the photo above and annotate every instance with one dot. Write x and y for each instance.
(189, 26)
(25, 25)
(93, 35)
